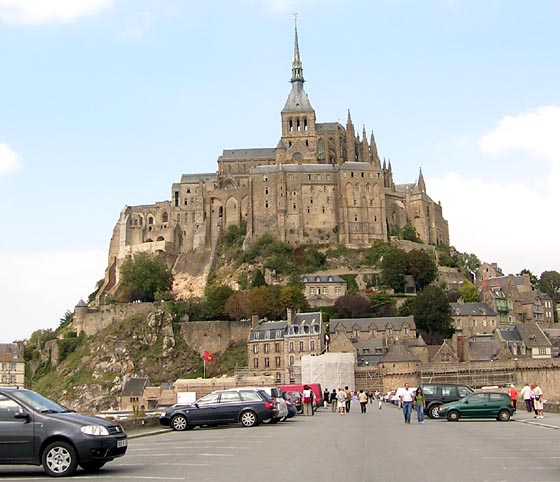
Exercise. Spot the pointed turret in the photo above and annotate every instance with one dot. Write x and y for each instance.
(297, 100)
(374, 154)
(298, 117)
(365, 147)
(350, 139)
(421, 184)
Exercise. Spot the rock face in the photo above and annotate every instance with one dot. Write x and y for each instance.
(90, 379)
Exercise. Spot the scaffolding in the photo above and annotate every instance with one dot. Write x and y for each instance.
(467, 374)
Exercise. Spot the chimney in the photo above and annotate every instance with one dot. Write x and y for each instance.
(254, 321)
(289, 316)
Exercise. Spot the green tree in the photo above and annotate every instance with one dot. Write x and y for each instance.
(238, 306)
(143, 275)
(352, 306)
(258, 279)
(382, 305)
(549, 283)
(469, 262)
(292, 296)
(93, 294)
(265, 302)
(423, 267)
(432, 314)
(216, 297)
(394, 267)
(409, 233)
(66, 319)
(469, 292)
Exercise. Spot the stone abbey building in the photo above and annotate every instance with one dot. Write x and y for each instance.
(323, 183)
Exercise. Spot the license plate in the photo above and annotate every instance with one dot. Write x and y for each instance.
(122, 443)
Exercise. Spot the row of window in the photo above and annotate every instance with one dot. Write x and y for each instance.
(8, 366)
(11, 379)
(278, 347)
(278, 362)
(356, 333)
(318, 290)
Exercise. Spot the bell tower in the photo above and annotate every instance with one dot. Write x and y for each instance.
(298, 117)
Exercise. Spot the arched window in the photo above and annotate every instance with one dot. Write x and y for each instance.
(150, 220)
(164, 218)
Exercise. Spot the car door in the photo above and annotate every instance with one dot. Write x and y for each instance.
(206, 411)
(449, 393)
(475, 405)
(229, 407)
(496, 401)
(16, 431)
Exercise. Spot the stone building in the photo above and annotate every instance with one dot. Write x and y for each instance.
(12, 365)
(470, 319)
(525, 340)
(322, 183)
(275, 348)
(323, 290)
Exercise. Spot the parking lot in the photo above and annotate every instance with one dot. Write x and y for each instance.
(353, 447)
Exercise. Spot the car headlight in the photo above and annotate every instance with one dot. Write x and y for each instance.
(96, 430)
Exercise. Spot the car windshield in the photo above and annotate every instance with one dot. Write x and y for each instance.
(39, 403)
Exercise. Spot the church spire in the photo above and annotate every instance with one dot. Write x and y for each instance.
(297, 66)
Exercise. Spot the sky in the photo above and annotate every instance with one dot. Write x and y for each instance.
(105, 103)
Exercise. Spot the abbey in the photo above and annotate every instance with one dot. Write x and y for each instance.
(323, 183)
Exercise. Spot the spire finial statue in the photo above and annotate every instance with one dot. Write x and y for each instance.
(297, 67)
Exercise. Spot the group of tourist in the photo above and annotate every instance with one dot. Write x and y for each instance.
(341, 400)
(533, 396)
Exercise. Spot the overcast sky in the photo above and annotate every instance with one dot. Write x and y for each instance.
(105, 103)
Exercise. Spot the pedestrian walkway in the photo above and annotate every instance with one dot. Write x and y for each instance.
(550, 420)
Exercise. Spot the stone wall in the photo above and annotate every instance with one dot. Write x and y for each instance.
(92, 321)
(214, 336)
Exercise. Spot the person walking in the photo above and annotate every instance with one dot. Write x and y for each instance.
(307, 401)
(348, 399)
(326, 398)
(513, 394)
(363, 399)
(420, 404)
(525, 393)
(406, 398)
(333, 400)
(341, 401)
(539, 401)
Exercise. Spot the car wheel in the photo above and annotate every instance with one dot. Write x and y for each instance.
(433, 412)
(453, 416)
(249, 419)
(504, 415)
(283, 419)
(179, 423)
(92, 466)
(59, 459)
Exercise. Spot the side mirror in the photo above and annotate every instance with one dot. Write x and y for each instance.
(22, 415)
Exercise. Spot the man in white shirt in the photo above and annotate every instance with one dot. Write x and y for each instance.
(406, 396)
(526, 394)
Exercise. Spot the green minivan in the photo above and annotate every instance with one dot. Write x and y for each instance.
(496, 405)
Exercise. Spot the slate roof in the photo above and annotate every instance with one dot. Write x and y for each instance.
(269, 330)
(255, 153)
(315, 278)
(532, 335)
(398, 353)
(196, 178)
(134, 387)
(509, 333)
(328, 168)
(298, 101)
(484, 350)
(308, 318)
(357, 165)
(327, 126)
(365, 323)
(472, 309)
(10, 352)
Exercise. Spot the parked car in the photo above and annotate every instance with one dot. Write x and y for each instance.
(246, 406)
(316, 387)
(496, 405)
(294, 397)
(437, 394)
(292, 410)
(37, 431)
(276, 395)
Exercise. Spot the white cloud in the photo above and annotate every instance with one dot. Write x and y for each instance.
(9, 160)
(536, 132)
(38, 287)
(36, 12)
(512, 224)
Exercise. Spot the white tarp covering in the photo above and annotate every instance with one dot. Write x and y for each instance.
(331, 370)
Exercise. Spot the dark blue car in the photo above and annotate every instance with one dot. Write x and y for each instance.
(246, 406)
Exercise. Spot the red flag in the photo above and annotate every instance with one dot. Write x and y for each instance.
(208, 356)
